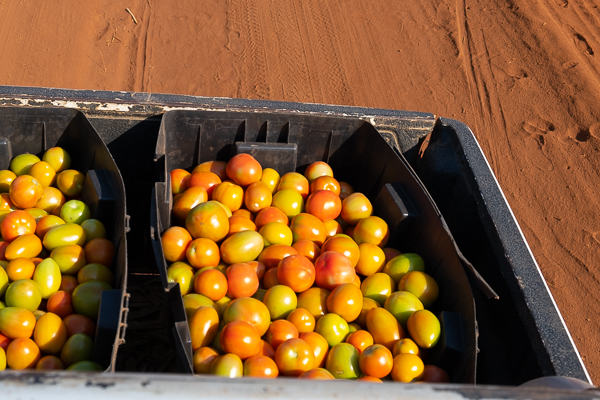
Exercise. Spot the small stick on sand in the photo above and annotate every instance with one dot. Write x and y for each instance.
(132, 16)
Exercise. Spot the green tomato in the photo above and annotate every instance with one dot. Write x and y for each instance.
(93, 229)
(24, 293)
(378, 287)
(281, 301)
(47, 276)
(78, 347)
(21, 164)
(333, 328)
(400, 265)
(86, 366)
(343, 361)
(86, 298)
(75, 211)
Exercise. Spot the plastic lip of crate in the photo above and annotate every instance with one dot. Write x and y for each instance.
(359, 155)
(33, 131)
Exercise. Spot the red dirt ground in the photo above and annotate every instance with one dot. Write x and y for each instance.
(522, 74)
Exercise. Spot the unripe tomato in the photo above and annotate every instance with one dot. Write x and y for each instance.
(423, 286)
(401, 305)
(384, 327)
(308, 249)
(179, 180)
(50, 333)
(345, 245)
(21, 164)
(95, 272)
(229, 366)
(302, 320)
(260, 367)
(16, 322)
(240, 338)
(294, 357)
(22, 353)
(424, 328)
(205, 179)
(280, 331)
(242, 247)
(281, 301)
(86, 366)
(47, 276)
(229, 194)
(175, 242)
(242, 281)
(203, 357)
(371, 259)
(400, 265)
(181, 273)
(6, 178)
(70, 182)
(320, 374)
(276, 233)
(378, 287)
(58, 158)
(376, 361)
(271, 178)
(208, 220)
(372, 230)
(48, 363)
(243, 169)
(309, 227)
(343, 361)
(24, 293)
(188, 200)
(86, 298)
(289, 201)
(333, 269)
(297, 272)
(407, 368)
(272, 255)
(325, 183)
(314, 300)
(324, 204)
(216, 167)
(62, 235)
(356, 207)
(249, 310)
(44, 173)
(36, 213)
(333, 328)
(203, 252)
(70, 258)
(346, 301)
(15, 224)
(211, 283)
(204, 324)
(77, 348)
(270, 214)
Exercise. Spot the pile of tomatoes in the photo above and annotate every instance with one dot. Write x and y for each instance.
(291, 276)
(54, 261)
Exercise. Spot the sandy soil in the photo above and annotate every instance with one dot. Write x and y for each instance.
(523, 74)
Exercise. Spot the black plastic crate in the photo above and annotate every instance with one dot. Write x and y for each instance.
(34, 130)
(358, 154)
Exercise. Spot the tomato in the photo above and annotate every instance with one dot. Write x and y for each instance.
(93, 229)
(16, 322)
(86, 298)
(24, 293)
(43, 173)
(362, 317)
(266, 350)
(309, 227)
(244, 213)
(333, 269)
(258, 267)
(240, 338)
(400, 265)
(325, 183)
(242, 247)
(238, 224)
(229, 194)
(307, 249)
(271, 178)
(434, 374)
(371, 379)
(407, 368)
(332, 228)
(319, 346)
(20, 268)
(384, 327)
(372, 230)
(58, 158)
(272, 255)
(76, 323)
(175, 242)
(355, 207)
(36, 213)
(345, 245)
(3, 280)
(333, 328)
(405, 346)
(249, 310)
(86, 366)
(293, 357)
(51, 199)
(424, 328)
(297, 272)
(205, 179)
(6, 203)
(15, 224)
(60, 304)
(378, 287)
(289, 201)
(25, 191)
(320, 374)
(62, 235)
(243, 169)
(70, 258)
(281, 301)
(280, 331)
(360, 339)
(6, 178)
(270, 279)
(270, 214)
(22, 353)
(21, 164)
(346, 301)
(229, 365)
(202, 359)
(50, 363)
(302, 320)
(324, 204)
(179, 180)
(216, 167)
(257, 197)
(343, 361)
(75, 211)
(70, 182)
(314, 300)
(181, 273)
(46, 223)
(100, 250)
(242, 281)
(371, 259)
(376, 361)
(50, 333)
(203, 252)
(47, 276)
(401, 305)
(260, 367)
(28, 245)
(211, 283)
(77, 348)
(95, 272)
(276, 233)
(423, 286)
(188, 200)
(208, 220)
(4, 342)
(318, 169)
(203, 326)
(68, 283)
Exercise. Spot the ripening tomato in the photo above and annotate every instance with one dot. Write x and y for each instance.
(216, 167)
(400, 265)
(424, 328)
(20, 268)
(294, 357)
(325, 183)
(257, 196)
(58, 158)
(44, 173)
(50, 333)
(272, 255)
(360, 339)
(303, 320)
(22, 353)
(6, 203)
(320, 374)
(332, 228)
(242, 247)
(242, 212)
(343, 361)
(270, 279)
(250, 310)
(271, 178)
(333, 269)
(100, 250)
(188, 200)
(179, 180)
(202, 359)
(346, 301)
(316, 170)
(60, 304)
(401, 305)
(175, 242)
(289, 201)
(16, 322)
(384, 327)
(371, 259)
(407, 368)
(25, 191)
(240, 338)
(266, 350)
(62, 235)
(238, 223)
(276, 233)
(77, 323)
(27, 245)
(378, 287)
(270, 214)
(260, 367)
(307, 226)
(405, 345)
(70, 258)
(279, 331)
(372, 230)
(423, 286)
(207, 180)
(308, 249)
(203, 324)
(212, 284)
(333, 328)
(281, 301)
(297, 272)
(324, 204)
(208, 220)
(203, 252)
(15, 224)
(345, 245)
(229, 194)
(48, 363)
(68, 283)
(51, 199)
(181, 273)
(243, 169)
(6, 178)
(356, 207)
(319, 346)
(36, 213)
(229, 366)
(314, 300)
(242, 281)
(70, 182)
(46, 223)
(362, 317)
(294, 181)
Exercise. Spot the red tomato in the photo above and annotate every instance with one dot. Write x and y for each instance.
(294, 357)
(333, 269)
(60, 304)
(179, 180)
(376, 360)
(25, 191)
(307, 249)
(294, 181)
(324, 204)
(270, 278)
(76, 323)
(345, 245)
(15, 224)
(50, 363)
(203, 252)
(240, 338)
(270, 214)
(280, 331)
(4, 342)
(207, 180)
(211, 283)
(297, 272)
(272, 255)
(434, 374)
(360, 339)
(260, 367)
(188, 200)
(243, 169)
(22, 353)
(317, 169)
(307, 226)
(68, 283)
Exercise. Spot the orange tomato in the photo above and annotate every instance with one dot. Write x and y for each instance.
(369, 379)
(260, 367)
(70, 182)
(238, 223)
(360, 339)
(188, 200)
(50, 333)
(258, 267)
(372, 230)
(307, 249)
(16, 322)
(211, 283)
(179, 180)
(240, 338)
(204, 324)
(242, 212)
(271, 178)
(303, 320)
(6, 203)
(175, 242)
(270, 214)
(294, 357)
(346, 301)
(407, 368)
(257, 196)
(324, 204)
(46, 223)
(266, 350)
(207, 180)
(405, 346)
(203, 252)
(345, 245)
(229, 194)
(243, 169)
(319, 346)
(309, 227)
(272, 255)
(202, 359)
(27, 245)
(99, 250)
(279, 331)
(250, 310)
(22, 353)
(20, 268)
(270, 278)
(15, 224)
(325, 183)
(208, 220)
(297, 272)
(242, 281)
(376, 360)
(320, 374)
(44, 173)
(371, 259)
(25, 191)
(51, 199)
(317, 169)
(216, 167)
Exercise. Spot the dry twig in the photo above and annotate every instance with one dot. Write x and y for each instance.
(132, 16)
